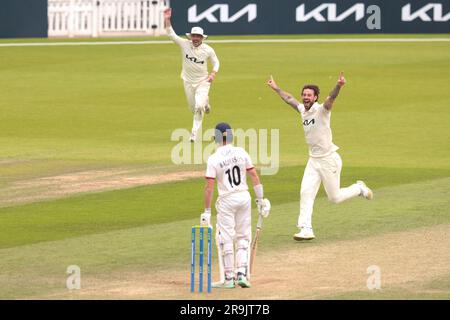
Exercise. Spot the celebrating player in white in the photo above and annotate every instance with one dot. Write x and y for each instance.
(229, 165)
(324, 164)
(197, 82)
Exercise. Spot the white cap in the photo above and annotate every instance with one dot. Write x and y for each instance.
(197, 30)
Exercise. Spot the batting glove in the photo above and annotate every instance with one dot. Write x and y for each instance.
(263, 206)
(205, 218)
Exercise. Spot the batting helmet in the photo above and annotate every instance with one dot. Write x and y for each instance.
(223, 133)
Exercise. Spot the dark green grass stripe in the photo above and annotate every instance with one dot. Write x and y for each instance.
(122, 209)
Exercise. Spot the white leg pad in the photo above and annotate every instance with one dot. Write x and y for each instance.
(242, 255)
(228, 259)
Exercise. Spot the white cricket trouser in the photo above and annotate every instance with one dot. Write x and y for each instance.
(197, 98)
(234, 228)
(328, 171)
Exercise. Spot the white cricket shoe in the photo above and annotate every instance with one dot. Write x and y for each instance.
(365, 190)
(304, 234)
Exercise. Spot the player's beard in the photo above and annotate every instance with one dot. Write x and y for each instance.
(308, 103)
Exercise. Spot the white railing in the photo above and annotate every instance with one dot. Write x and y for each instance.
(96, 18)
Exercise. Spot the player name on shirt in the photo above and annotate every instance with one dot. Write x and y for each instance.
(230, 161)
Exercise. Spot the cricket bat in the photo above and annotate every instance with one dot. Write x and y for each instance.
(254, 245)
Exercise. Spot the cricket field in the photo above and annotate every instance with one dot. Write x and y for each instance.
(87, 176)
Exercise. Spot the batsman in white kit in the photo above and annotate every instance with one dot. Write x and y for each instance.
(324, 164)
(195, 56)
(229, 165)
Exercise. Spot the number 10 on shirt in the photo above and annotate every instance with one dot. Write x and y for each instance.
(234, 176)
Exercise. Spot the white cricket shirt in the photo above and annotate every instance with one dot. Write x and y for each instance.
(195, 59)
(316, 123)
(229, 165)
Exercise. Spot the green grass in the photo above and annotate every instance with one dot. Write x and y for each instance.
(165, 246)
(153, 205)
(119, 104)
(67, 109)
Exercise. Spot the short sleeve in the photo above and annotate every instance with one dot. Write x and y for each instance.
(300, 108)
(210, 170)
(248, 162)
(323, 109)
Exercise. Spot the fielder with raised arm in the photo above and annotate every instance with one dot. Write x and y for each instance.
(324, 164)
(197, 82)
(229, 165)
